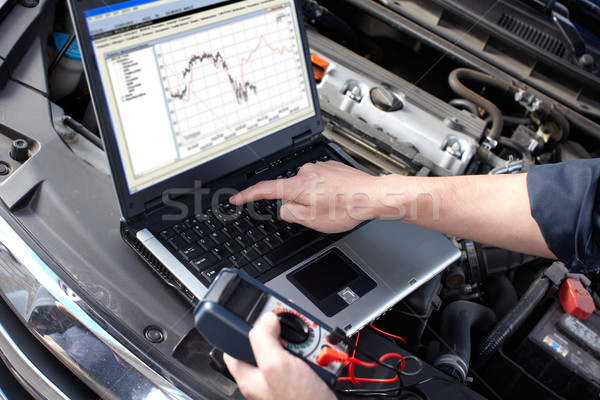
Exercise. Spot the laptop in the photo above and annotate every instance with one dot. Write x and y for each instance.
(197, 99)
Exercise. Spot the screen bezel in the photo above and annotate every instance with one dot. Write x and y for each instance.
(135, 204)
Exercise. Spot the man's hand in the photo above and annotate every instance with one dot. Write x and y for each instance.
(279, 375)
(332, 197)
(329, 197)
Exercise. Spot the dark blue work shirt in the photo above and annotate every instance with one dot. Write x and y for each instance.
(565, 203)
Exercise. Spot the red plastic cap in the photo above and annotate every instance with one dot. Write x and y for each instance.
(329, 355)
(575, 300)
(319, 67)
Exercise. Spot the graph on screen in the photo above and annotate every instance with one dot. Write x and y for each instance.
(240, 88)
(228, 80)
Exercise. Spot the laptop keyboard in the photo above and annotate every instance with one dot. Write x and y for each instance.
(250, 237)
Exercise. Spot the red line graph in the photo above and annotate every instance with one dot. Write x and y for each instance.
(241, 88)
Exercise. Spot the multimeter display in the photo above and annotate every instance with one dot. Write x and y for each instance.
(243, 300)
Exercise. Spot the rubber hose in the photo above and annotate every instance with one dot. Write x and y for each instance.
(463, 104)
(455, 81)
(501, 294)
(61, 54)
(514, 319)
(517, 147)
(457, 321)
(83, 131)
(516, 120)
(330, 24)
(560, 119)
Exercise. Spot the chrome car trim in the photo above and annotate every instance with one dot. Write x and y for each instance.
(30, 377)
(56, 316)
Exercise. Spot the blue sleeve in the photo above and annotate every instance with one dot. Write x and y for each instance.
(565, 203)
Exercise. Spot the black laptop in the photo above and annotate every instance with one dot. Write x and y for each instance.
(198, 99)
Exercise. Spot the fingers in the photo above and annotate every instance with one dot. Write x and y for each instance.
(288, 377)
(238, 368)
(264, 190)
(320, 196)
(264, 337)
(250, 379)
(286, 189)
(271, 358)
(296, 213)
(278, 375)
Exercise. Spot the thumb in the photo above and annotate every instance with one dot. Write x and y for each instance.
(296, 213)
(268, 325)
(264, 339)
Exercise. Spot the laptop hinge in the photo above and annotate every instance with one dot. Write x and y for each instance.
(153, 204)
(160, 202)
(302, 139)
(168, 199)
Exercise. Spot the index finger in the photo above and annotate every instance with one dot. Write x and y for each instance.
(265, 190)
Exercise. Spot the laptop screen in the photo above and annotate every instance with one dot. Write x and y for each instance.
(187, 81)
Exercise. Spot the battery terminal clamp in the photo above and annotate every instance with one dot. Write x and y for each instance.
(575, 299)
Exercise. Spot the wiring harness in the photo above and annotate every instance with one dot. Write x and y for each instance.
(329, 355)
(397, 390)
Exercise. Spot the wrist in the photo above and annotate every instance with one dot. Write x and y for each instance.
(392, 198)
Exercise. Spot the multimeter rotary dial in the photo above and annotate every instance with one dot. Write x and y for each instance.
(296, 331)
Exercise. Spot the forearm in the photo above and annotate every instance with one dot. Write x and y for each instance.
(332, 197)
(488, 209)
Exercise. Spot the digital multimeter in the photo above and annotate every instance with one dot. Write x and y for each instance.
(235, 301)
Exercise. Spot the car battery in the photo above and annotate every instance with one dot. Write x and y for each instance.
(563, 353)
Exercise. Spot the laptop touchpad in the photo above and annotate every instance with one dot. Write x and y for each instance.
(332, 282)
